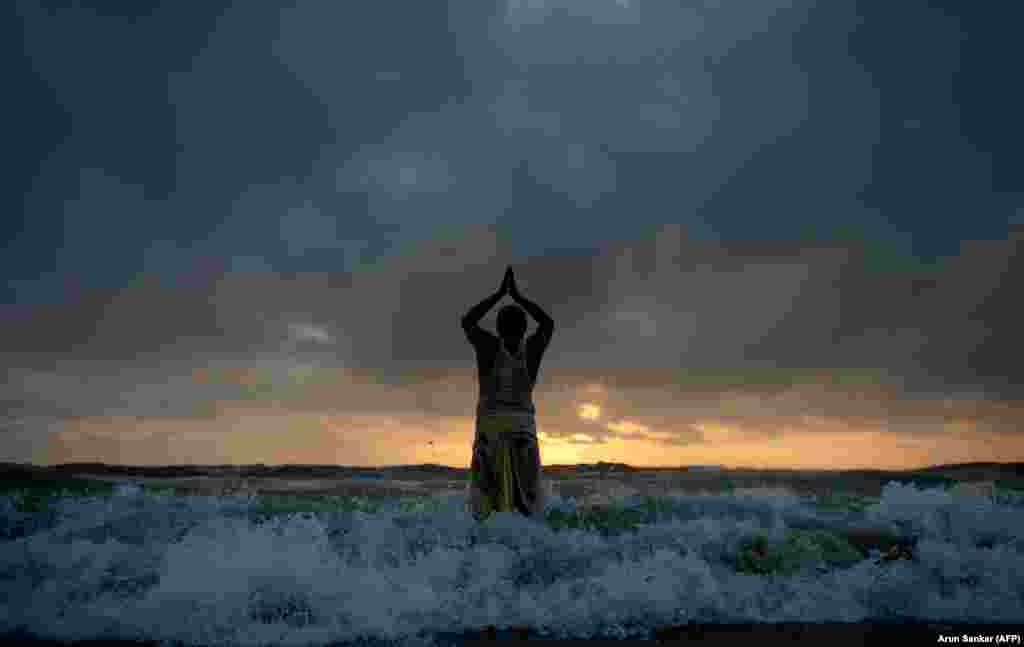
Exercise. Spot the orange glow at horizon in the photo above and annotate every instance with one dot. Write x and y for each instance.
(240, 436)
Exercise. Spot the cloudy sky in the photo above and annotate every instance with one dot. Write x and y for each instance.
(770, 232)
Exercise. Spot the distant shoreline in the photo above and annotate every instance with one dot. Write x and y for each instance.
(588, 483)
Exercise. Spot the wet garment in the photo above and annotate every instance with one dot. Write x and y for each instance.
(505, 473)
(505, 470)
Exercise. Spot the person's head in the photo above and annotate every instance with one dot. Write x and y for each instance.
(511, 322)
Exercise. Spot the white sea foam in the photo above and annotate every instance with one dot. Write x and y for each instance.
(205, 570)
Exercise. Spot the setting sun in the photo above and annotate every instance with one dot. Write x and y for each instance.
(589, 411)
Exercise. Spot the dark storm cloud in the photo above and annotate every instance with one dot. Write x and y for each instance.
(106, 75)
(307, 111)
(543, 120)
(299, 139)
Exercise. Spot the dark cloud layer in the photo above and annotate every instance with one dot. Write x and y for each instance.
(246, 131)
(667, 303)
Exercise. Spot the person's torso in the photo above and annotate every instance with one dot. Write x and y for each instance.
(506, 385)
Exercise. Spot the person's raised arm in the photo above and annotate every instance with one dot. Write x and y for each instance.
(476, 313)
(544, 320)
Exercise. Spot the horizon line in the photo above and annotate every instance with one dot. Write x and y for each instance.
(94, 464)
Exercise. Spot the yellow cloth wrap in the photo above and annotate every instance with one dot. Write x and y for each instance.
(502, 500)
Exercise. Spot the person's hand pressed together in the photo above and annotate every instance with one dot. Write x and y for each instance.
(512, 290)
(507, 282)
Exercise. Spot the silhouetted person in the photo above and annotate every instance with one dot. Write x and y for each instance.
(505, 470)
